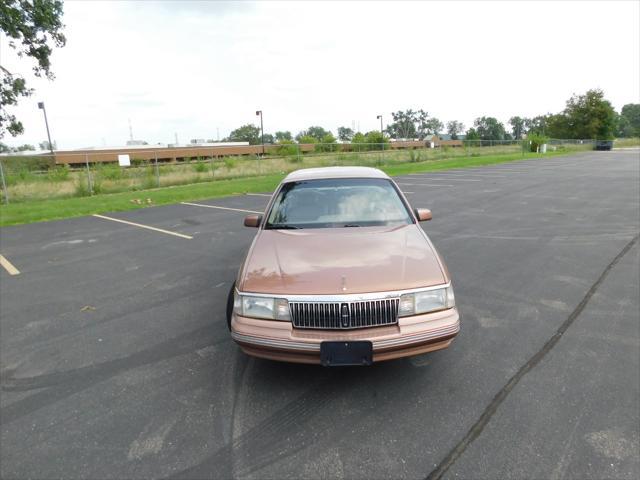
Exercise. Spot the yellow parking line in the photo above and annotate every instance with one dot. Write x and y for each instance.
(143, 226)
(221, 208)
(8, 266)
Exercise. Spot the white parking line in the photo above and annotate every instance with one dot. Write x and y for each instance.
(408, 193)
(259, 194)
(472, 175)
(8, 266)
(221, 208)
(452, 177)
(435, 176)
(175, 234)
(426, 184)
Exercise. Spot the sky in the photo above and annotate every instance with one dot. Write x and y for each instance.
(201, 69)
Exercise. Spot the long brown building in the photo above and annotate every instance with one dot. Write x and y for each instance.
(180, 153)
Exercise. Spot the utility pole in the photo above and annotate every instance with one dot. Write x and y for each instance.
(46, 122)
(259, 113)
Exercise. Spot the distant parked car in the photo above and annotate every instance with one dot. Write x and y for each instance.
(603, 145)
(340, 273)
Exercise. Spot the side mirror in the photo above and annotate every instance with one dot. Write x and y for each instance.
(423, 214)
(252, 220)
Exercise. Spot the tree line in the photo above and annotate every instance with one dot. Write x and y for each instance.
(588, 116)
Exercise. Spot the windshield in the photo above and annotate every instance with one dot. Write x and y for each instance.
(340, 202)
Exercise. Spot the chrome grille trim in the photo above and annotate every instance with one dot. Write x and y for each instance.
(348, 297)
(344, 315)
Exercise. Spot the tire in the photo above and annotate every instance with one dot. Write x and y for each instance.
(230, 305)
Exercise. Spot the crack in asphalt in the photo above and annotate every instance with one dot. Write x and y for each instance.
(477, 428)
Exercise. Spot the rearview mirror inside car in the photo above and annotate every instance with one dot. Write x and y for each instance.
(423, 214)
(252, 220)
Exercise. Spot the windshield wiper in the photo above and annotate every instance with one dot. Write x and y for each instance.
(350, 225)
(282, 226)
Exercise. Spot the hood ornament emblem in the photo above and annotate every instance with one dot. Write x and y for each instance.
(344, 284)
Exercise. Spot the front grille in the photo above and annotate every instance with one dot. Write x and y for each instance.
(344, 315)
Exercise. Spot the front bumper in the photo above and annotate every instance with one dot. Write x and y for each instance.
(277, 340)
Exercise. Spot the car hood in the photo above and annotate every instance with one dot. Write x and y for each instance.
(329, 261)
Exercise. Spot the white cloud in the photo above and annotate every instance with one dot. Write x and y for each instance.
(192, 68)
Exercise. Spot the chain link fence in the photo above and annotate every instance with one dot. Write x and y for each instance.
(79, 174)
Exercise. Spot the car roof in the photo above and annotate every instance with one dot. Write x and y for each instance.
(334, 172)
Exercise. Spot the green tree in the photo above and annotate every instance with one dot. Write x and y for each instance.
(44, 145)
(629, 120)
(536, 124)
(345, 134)
(33, 28)
(536, 140)
(246, 133)
(268, 138)
(4, 148)
(358, 142)
(517, 126)
(590, 116)
(555, 126)
(454, 128)
(404, 124)
(306, 139)
(375, 140)
(423, 125)
(328, 143)
(489, 128)
(315, 132)
(433, 126)
(25, 148)
(287, 148)
(283, 135)
(471, 135)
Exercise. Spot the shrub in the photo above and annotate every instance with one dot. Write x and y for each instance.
(328, 144)
(149, 181)
(200, 167)
(287, 148)
(536, 140)
(230, 162)
(110, 171)
(375, 140)
(307, 139)
(58, 174)
(82, 187)
(22, 175)
(415, 156)
(358, 142)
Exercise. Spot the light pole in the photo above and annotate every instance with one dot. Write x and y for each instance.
(379, 117)
(259, 113)
(46, 122)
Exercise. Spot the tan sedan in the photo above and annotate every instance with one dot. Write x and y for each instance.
(340, 273)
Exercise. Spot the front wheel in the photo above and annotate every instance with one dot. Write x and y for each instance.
(230, 305)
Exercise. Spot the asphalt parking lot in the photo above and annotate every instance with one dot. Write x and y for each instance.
(116, 362)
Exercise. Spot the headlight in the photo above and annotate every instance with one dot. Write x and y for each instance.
(261, 307)
(426, 301)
